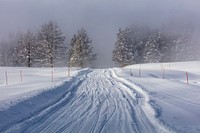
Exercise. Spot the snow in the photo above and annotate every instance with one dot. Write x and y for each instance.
(102, 100)
(33, 82)
(176, 103)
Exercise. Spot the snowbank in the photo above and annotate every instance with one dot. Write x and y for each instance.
(24, 83)
(176, 103)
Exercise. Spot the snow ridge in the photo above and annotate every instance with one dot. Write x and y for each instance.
(144, 104)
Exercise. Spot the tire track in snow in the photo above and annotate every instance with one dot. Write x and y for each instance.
(139, 123)
(101, 102)
(144, 107)
(134, 122)
(104, 123)
(22, 125)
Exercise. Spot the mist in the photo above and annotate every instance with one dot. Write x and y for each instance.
(101, 18)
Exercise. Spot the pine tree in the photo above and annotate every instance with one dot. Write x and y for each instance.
(180, 37)
(151, 52)
(165, 47)
(139, 37)
(80, 53)
(50, 40)
(182, 48)
(4, 47)
(122, 54)
(3, 54)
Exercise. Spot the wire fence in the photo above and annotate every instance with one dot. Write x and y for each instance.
(10, 76)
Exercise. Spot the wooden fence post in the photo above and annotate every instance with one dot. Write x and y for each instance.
(131, 72)
(52, 75)
(163, 74)
(140, 70)
(140, 73)
(21, 75)
(6, 75)
(68, 70)
(187, 77)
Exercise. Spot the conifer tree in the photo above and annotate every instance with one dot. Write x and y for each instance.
(139, 36)
(80, 53)
(182, 48)
(151, 52)
(122, 54)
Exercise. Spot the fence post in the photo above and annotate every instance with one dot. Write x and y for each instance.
(140, 73)
(161, 66)
(140, 70)
(68, 70)
(163, 74)
(131, 72)
(21, 75)
(6, 75)
(52, 75)
(187, 78)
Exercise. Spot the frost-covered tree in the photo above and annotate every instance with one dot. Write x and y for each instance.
(180, 40)
(6, 50)
(50, 41)
(80, 53)
(182, 47)
(139, 37)
(4, 53)
(122, 54)
(23, 53)
(145, 45)
(151, 51)
(165, 47)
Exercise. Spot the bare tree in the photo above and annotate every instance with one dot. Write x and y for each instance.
(50, 38)
(23, 53)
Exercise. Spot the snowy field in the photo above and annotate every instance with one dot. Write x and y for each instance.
(176, 103)
(147, 98)
(23, 83)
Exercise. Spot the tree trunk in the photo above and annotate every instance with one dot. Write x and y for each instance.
(51, 61)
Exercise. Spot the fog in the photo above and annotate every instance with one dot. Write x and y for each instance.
(101, 18)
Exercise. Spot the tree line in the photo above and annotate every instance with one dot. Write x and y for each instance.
(136, 44)
(144, 45)
(47, 48)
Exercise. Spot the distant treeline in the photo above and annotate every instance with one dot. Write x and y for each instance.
(144, 45)
(136, 44)
(47, 48)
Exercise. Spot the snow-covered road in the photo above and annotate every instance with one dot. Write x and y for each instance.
(98, 101)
